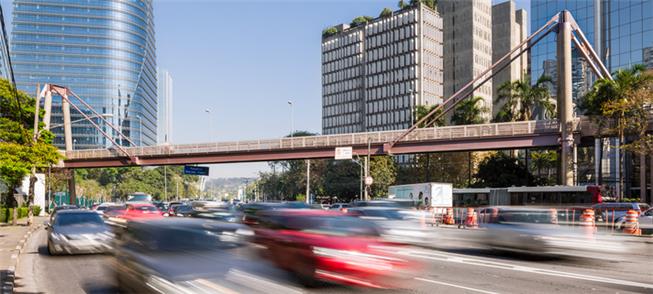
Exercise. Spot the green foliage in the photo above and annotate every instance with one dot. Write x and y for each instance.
(523, 100)
(500, 170)
(384, 172)
(36, 210)
(402, 4)
(328, 32)
(428, 3)
(386, 12)
(422, 110)
(360, 20)
(7, 214)
(469, 112)
(543, 162)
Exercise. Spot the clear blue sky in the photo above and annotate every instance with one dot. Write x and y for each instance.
(244, 60)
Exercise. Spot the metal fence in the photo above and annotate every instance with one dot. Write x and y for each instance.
(424, 134)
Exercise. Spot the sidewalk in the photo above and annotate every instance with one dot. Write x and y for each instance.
(12, 241)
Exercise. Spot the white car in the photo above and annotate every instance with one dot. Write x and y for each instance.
(645, 220)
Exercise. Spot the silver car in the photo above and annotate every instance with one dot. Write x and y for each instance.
(78, 231)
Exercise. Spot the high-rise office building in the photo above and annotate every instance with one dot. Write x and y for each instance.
(620, 32)
(647, 57)
(375, 74)
(164, 113)
(509, 28)
(103, 50)
(5, 66)
(467, 46)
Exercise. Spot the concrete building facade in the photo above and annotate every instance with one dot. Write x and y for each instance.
(165, 107)
(467, 46)
(375, 74)
(509, 28)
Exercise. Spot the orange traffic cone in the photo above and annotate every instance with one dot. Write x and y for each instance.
(587, 222)
(631, 226)
(472, 220)
(447, 219)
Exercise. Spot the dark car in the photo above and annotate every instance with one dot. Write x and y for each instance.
(376, 203)
(180, 210)
(60, 208)
(77, 231)
(203, 257)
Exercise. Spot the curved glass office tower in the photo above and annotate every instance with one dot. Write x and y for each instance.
(102, 50)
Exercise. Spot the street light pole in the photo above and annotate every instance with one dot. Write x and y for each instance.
(208, 112)
(292, 119)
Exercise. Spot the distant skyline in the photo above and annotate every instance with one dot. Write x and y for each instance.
(244, 60)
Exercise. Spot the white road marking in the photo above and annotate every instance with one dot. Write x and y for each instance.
(520, 268)
(455, 286)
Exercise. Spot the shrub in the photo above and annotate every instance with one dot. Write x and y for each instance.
(360, 20)
(4, 213)
(23, 212)
(328, 32)
(36, 210)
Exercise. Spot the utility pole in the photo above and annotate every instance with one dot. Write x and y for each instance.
(367, 169)
(308, 181)
(565, 111)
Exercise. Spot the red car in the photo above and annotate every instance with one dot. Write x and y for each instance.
(329, 246)
(138, 211)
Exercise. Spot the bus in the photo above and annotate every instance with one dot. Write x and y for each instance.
(536, 195)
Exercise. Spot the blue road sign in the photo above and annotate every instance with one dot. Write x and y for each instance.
(196, 170)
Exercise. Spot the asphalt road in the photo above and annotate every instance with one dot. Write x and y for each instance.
(451, 270)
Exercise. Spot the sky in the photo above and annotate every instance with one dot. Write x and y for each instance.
(244, 60)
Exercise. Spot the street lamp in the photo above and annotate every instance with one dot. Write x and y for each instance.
(208, 112)
(292, 119)
(74, 143)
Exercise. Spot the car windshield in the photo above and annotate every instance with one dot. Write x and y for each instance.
(135, 198)
(643, 207)
(346, 226)
(183, 208)
(144, 208)
(71, 219)
(386, 213)
(533, 217)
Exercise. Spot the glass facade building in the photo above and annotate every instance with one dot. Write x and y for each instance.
(5, 67)
(102, 50)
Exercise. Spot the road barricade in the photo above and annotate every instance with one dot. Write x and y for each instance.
(587, 222)
(631, 225)
(471, 220)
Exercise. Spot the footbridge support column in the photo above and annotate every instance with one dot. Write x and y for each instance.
(565, 108)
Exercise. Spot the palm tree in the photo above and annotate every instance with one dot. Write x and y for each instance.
(544, 160)
(422, 110)
(523, 100)
(469, 112)
(612, 101)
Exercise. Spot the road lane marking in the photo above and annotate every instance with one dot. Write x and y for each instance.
(455, 286)
(520, 268)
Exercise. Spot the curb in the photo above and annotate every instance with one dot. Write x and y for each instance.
(10, 276)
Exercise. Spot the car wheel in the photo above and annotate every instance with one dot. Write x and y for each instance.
(51, 249)
(306, 274)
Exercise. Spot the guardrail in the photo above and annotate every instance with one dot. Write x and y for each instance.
(424, 134)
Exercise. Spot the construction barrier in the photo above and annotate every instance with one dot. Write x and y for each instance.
(631, 225)
(447, 218)
(587, 221)
(472, 218)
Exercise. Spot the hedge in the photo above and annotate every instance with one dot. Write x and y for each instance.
(7, 214)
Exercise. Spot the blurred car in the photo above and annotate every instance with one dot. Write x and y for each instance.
(645, 221)
(611, 211)
(377, 203)
(100, 209)
(339, 206)
(77, 231)
(250, 210)
(528, 230)
(60, 208)
(318, 245)
(216, 214)
(199, 259)
(180, 210)
(398, 225)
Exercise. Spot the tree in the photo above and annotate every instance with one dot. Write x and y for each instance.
(544, 160)
(470, 112)
(500, 170)
(619, 106)
(386, 12)
(21, 153)
(384, 172)
(523, 100)
(342, 180)
(402, 4)
(422, 110)
(360, 20)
